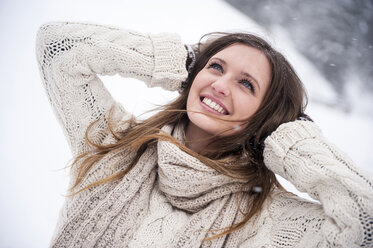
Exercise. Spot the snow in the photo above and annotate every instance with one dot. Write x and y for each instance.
(33, 150)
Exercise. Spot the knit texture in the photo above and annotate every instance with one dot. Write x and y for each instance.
(170, 199)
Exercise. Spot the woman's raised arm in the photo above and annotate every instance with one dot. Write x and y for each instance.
(71, 55)
(298, 152)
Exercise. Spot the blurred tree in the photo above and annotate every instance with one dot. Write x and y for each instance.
(336, 35)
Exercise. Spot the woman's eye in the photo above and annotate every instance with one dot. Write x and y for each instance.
(216, 66)
(247, 84)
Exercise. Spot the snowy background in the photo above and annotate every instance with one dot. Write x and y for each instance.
(33, 150)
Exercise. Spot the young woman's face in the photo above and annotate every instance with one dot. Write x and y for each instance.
(231, 86)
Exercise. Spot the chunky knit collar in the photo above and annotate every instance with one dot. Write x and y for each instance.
(188, 183)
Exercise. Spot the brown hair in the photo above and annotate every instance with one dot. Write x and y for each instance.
(238, 155)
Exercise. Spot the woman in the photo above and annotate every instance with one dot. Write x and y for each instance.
(200, 173)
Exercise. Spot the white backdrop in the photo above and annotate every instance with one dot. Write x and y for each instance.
(32, 147)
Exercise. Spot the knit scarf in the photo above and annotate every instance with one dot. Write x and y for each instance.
(108, 215)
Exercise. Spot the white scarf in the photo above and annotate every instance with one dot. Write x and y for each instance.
(109, 214)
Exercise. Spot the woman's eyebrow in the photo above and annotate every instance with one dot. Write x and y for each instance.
(242, 73)
(252, 78)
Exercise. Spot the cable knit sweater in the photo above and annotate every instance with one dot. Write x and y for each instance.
(71, 55)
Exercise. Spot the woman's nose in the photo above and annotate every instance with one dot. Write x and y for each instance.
(221, 87)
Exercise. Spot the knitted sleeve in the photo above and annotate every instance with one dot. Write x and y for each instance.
(298, 152)
(72, 55)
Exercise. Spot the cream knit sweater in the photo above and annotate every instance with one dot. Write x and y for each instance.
(71, 55)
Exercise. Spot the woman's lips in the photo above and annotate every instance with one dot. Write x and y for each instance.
(213, 105)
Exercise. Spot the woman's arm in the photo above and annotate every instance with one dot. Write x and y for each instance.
(298, 152)
(70, 55)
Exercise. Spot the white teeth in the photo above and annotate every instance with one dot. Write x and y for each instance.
(213, 105)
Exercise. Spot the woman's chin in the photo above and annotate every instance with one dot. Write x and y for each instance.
(211, 126)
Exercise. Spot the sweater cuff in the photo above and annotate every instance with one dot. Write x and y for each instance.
(169, 61)
(286, 136)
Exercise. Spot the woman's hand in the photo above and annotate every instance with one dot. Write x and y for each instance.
(285, 139)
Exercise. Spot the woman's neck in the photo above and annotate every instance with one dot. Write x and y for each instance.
(196, 139)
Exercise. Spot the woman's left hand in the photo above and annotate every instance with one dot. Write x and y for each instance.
(298, 152)
(284, 138)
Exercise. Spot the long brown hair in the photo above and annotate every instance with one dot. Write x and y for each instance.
(238, 155)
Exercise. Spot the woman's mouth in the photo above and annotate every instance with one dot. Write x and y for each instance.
(213, 104)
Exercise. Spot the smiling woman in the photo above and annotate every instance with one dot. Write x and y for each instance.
(252, 85)
(226, 87)
(201, 172)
